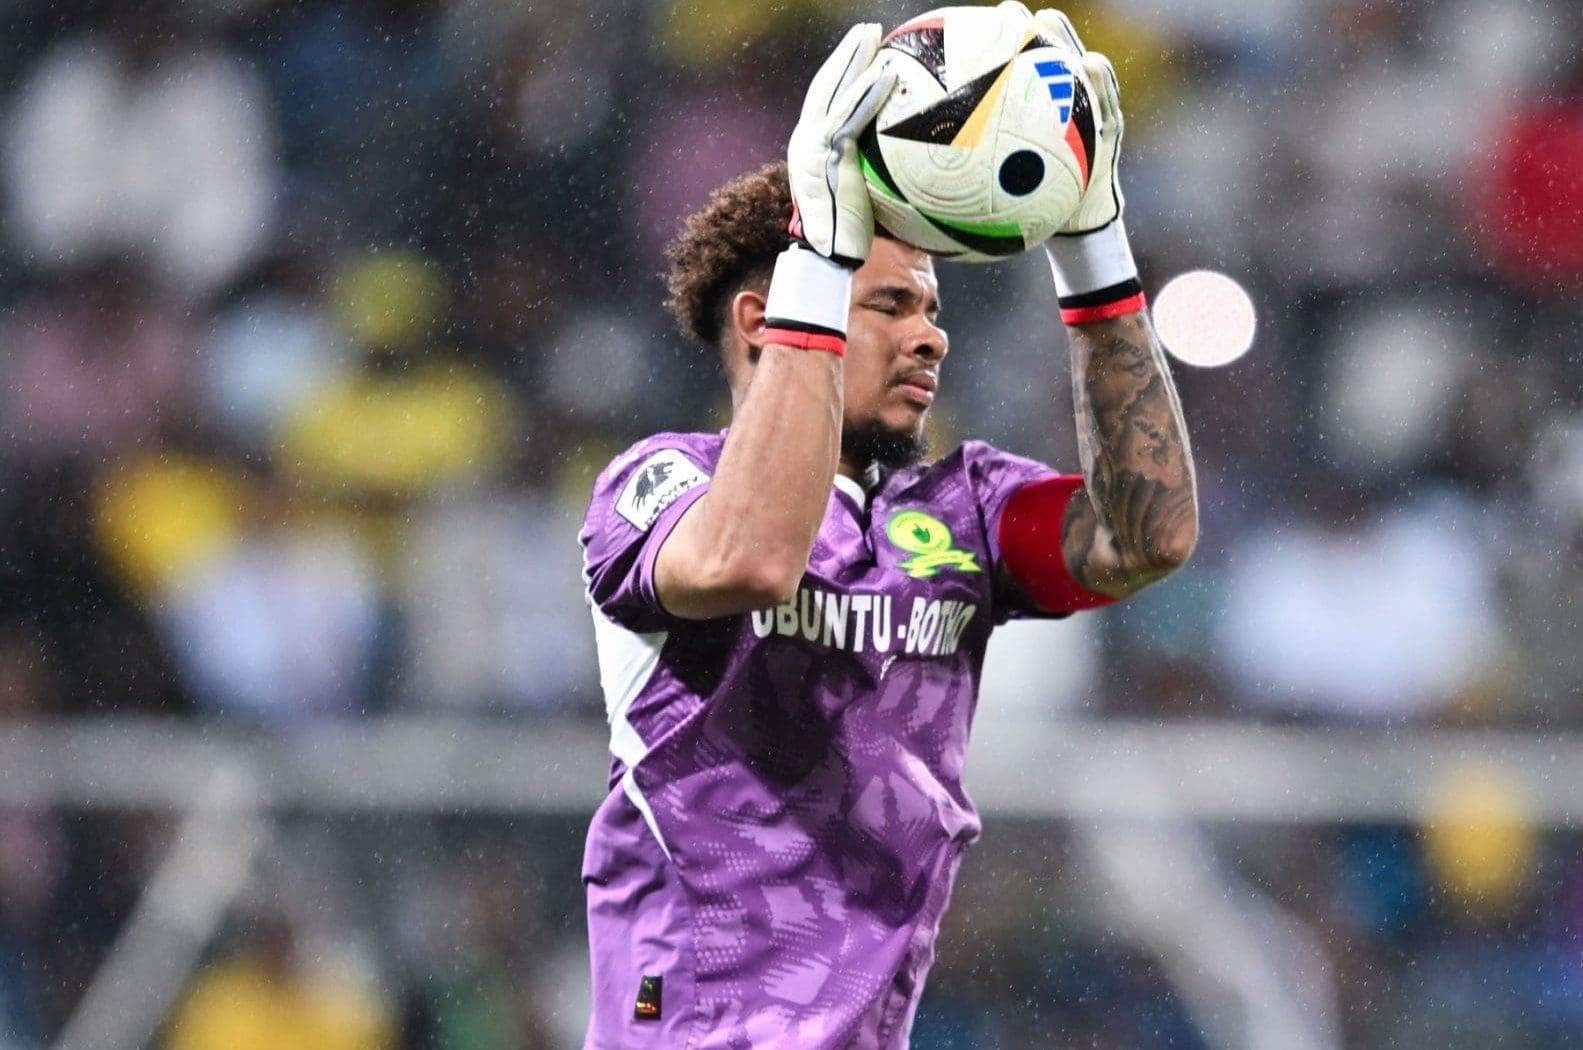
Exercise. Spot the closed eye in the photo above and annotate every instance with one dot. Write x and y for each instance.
(896, 301)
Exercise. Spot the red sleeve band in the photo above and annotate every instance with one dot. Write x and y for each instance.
(1030, 545)
(1089, 314)
(802, 340)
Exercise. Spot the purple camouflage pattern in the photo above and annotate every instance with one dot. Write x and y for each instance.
(801, 766)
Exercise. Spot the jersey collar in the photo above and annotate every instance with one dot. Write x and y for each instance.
(852, 488)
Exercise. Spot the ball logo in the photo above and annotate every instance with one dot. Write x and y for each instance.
(1058, 78)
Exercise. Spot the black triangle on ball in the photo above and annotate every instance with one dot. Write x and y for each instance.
(926, 44)
(940, 122)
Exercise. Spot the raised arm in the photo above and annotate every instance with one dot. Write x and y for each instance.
(1140, 518)
(745, 544)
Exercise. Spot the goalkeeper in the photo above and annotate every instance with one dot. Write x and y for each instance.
(792, 615)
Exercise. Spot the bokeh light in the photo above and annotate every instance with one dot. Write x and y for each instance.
(1204, 318)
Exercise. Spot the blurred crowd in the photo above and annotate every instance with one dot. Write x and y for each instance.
(317, 319)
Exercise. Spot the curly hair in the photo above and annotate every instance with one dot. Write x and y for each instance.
(728, 244)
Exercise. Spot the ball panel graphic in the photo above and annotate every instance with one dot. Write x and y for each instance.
(1021, 173)
(982, 150)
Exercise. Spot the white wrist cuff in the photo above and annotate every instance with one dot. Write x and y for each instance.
(1089, 262)
(808, 289)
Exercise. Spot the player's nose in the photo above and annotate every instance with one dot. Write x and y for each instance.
(927, 341)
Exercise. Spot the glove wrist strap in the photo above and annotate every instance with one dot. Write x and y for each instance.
(1095, 275)
(808, 300)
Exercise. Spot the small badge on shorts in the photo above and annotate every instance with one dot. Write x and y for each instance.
(648, 1005)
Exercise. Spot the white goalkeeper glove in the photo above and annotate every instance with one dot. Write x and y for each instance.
(832, 213)
(1095, 275)
(832, 223)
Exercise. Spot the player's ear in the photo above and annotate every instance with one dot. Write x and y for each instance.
(747, 321)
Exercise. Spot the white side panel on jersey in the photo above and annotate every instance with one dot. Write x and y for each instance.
(627, 660)
(852, 488)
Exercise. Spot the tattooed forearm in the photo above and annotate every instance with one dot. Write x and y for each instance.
(1141, 518)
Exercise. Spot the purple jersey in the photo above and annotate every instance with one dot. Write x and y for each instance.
(786, 811)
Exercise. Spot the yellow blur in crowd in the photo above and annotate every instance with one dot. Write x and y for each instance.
(414, 419)
(400, 435)
(702, 34)
(409, 423)
(1480, 841)
(160, 519)
(246, 1005)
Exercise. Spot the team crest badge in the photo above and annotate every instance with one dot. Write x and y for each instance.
(930, 543)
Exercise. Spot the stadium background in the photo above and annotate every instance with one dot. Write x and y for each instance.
(317, 318)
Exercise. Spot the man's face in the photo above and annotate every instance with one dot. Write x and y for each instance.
(894, 347)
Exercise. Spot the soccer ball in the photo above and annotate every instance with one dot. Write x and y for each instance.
(982, 150)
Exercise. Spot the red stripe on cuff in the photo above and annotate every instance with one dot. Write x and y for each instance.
(1089, 314)
(806, 340)
(1030, 545)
